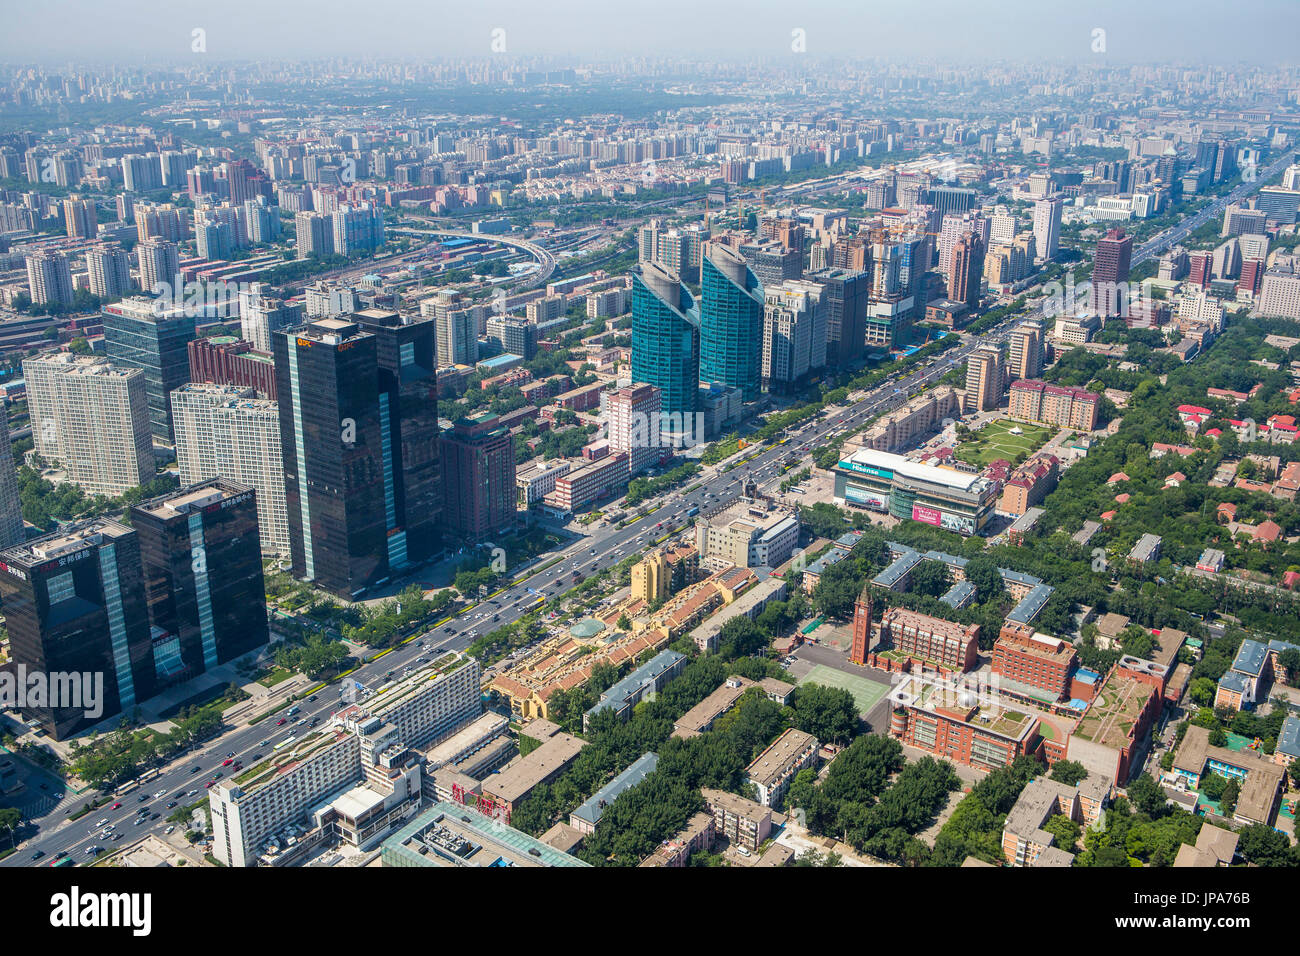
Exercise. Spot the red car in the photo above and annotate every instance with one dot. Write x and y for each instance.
(281, 722)
(115, 806)
(227, 762)
(209, 785)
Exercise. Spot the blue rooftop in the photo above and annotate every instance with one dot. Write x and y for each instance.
(1233, 681)
(949, 559)
(1250, 658)
(594, 807)
(833, 556)
(1288, 739)
(898, 570)
(647, 675)
(959, 595)
(1031, 605)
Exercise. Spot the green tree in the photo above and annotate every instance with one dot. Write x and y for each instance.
(1068, 772)
(828, 713)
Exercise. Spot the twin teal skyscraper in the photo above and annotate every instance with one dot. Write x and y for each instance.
(677, 342)
(731, 322)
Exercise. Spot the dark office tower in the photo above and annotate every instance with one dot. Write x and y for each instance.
(967, 270)
(408, 418)
(327, 380)
(666, 338)
(141, 333)
(202, 561)
(847, 298)
(1109, 294)
(11, 508)
(731, 322)
(74, 605)
(240, 175)
(478, 460)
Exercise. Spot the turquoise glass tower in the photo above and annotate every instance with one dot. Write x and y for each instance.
(731, 322)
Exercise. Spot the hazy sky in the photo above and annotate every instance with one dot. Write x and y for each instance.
(1263, 31)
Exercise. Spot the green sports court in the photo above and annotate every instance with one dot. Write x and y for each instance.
(866, 692)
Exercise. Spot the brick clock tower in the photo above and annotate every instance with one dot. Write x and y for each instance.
(861, 627)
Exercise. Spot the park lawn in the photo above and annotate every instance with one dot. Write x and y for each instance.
(995, 441)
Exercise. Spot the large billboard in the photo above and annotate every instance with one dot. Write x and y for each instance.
(962, 524)
(866, 498)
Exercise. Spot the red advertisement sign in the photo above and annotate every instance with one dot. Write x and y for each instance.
(928, 515)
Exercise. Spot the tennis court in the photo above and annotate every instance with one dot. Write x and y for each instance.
(866, 693)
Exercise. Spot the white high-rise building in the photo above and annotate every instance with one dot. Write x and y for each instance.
(1047, 226)
(456, 331)
(49, 278)
(633, 419)
(159, 265)
(93, 419)
(324, 299)
(261, 315)
(225, 431)
(794, 333)
(108, 269)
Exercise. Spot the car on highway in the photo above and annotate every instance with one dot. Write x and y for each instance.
(38, 854)
(209, 785)
(116, 805)
(281, 722)
(227, 762)
(192, 793)
(171, 805)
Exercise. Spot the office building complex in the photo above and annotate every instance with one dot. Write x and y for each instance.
(750, 533)
(226, 360)
(75, 606)
(91, 418)
(203, 580)
(226, 431)
(846, 295)
(350, 781)
(11, 510)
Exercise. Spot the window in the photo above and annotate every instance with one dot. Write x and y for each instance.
(60, 588)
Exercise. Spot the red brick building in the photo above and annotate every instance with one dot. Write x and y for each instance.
(1033, 659)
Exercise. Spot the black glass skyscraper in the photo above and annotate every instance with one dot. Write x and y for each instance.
(333, 447)
(408, 415)
(74, 605)
(202, 562)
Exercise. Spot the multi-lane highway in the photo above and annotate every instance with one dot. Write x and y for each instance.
(183, 782)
